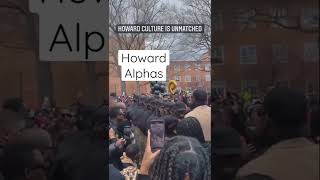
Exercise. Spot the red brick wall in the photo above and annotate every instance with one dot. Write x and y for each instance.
(192, 71)
(263, 36)
(17, 75)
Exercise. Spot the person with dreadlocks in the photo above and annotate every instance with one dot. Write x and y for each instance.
(181, 158)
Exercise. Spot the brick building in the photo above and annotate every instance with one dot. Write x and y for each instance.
(255, 53)
(191, 74)
(23, 75)
(188, 74)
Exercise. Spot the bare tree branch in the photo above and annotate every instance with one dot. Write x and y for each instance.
(260, 16)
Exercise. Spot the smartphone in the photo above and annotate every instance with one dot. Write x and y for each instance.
(157, 130)
(126, 132)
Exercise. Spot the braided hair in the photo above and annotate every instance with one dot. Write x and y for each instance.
(190, 127)
(179, 157)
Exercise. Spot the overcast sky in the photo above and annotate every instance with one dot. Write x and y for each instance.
(173, 2)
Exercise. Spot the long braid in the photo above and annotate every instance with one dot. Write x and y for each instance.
(179, 156)
(205, 154)
(172, 157)
(164, 168)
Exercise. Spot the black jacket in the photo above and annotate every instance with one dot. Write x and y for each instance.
(114, 155)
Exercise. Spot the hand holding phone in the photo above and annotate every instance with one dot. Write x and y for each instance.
(157, 130)
(148, 157)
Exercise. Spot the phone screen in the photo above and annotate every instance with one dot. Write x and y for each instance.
(126, 132)
(157, 129)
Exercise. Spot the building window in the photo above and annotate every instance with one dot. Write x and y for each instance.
(310, 17)
(176, 68)
(218, 87)
(188, 78)
(218, 21)
(279, 17)
(249, 85)
(188, 89)
(198, 78)
(177, 78)
(280, 53)
(208, 77)
(187, 67)
(218, 55)
(248, 54)
(197, 66)
(311, 51)
(207, 67)
(245, 18)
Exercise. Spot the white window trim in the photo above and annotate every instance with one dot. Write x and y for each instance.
(222, 56)
(177, 79)
(315, 49)
(185, 78)
(255, 56)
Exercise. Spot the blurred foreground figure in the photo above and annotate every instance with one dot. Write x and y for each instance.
(23, 162)
(293, 157)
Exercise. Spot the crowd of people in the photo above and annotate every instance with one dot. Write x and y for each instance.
(274, 136)
(52, 143)
(187, 150)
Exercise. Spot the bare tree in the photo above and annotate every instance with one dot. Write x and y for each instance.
(278, 17)
(138, 12)
(196, 12)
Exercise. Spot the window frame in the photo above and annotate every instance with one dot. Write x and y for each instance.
(253, 56)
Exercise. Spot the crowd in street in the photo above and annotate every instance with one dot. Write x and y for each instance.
(274, 136)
